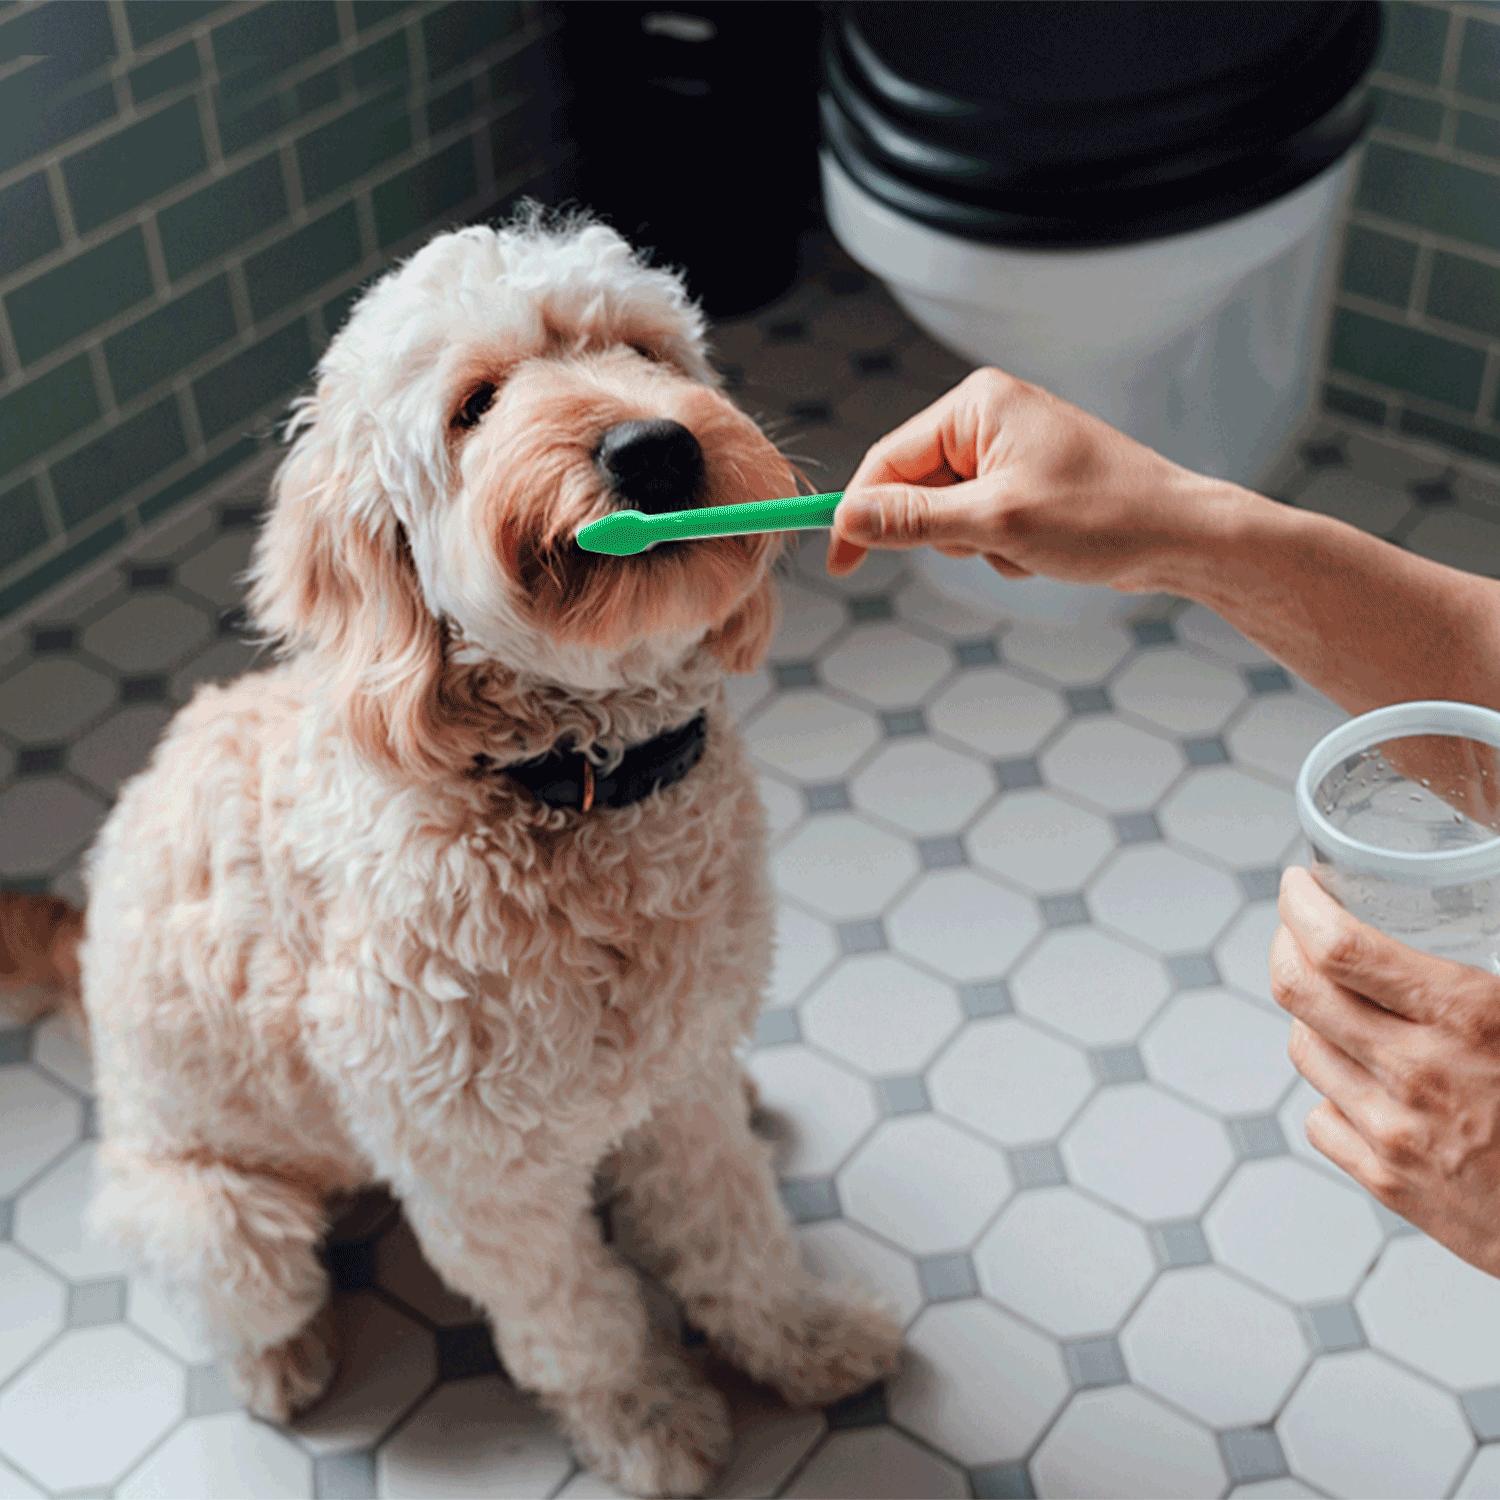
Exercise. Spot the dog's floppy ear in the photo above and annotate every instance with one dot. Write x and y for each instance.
(332, 577)
(742, 640)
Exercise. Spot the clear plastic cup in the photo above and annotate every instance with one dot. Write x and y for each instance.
(1402, 809)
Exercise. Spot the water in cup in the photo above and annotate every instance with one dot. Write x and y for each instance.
(1410, 800)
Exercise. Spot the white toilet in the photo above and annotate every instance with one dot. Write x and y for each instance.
(1185, 306)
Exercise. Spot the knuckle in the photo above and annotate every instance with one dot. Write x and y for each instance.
(1397, 1142)
(1342, 950)
(991, 382)
(1389, 1185)
(1285, 971)
(909, 519)
(1415, 1085)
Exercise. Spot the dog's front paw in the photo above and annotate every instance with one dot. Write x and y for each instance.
(277, 1383)
(830, 1342)
(665, 1433)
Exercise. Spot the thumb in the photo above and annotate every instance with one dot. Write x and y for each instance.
(911, 515)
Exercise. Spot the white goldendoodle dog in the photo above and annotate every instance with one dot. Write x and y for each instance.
(466, 896)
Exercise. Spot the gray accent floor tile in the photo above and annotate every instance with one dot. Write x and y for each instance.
(1255, 1137)
(940, 853)
(88, 1122)
(344, 1476)
(1180, 1242)
(465, 1351)
(352, 1264)
(1435, 491)
(1069, 910)
(985, 997)
(905, 1095)
(946, 1278)
(148, 576)
(1118, 1065)
(41, 760)
(1207, 750)
(7, 1217)
(1037, 1166)
(830, 796)
(863, 1409)
(209, 1392)
(234, 622)
(1263, 680)
(1323, 453)
(1483, 1411)
(239, 517)
(1137, 828)
(862, 937)
(810, 1200)
(977, 653)
(1018, 775)
(1260, 885)
(896, 722)
(1002, 1482)
(93, 1302)
(1087, 700)
(1153, 632)
(49, 639)
(1092, 1363)
(1193, 971)
(875, 607)
(151, 689)
(775, 1027)
(1252, 1453)
(1334, 1327)
(795, 674)
(15, 1045)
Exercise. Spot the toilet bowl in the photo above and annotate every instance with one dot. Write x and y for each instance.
(1185, 304)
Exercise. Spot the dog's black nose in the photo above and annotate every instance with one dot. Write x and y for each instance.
(654, 466)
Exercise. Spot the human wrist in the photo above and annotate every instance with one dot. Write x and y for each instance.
(1215, 532)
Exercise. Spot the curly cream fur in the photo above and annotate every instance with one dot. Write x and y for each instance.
(327, 946)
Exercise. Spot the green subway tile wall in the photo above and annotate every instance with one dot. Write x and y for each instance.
(1415, 340)
(192, 193)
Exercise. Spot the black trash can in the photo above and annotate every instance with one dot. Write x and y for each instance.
(696, 128)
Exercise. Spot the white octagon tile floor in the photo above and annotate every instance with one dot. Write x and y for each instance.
(1019, 1064)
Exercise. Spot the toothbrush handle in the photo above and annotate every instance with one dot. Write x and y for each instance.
(799, 513)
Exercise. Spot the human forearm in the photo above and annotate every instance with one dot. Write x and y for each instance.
(1036, 486)
(1358, 618)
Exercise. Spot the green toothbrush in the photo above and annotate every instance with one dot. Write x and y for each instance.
(626, 532)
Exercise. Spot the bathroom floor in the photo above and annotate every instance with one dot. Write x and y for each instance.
(1019, 1057)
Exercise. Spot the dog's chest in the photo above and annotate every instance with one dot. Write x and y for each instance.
(621, 950)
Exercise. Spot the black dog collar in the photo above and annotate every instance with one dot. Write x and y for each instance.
(567, 778)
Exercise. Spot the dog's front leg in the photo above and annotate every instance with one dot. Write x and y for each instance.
(571, 1325)
(697, 1203)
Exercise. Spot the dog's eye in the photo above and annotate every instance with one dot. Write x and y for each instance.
(476, 403)
(646, 353)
